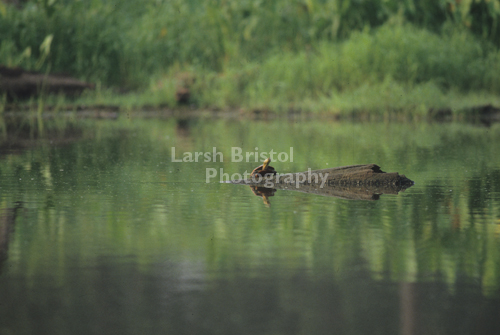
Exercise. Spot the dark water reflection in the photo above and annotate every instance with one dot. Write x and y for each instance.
(105, 234)
(116, 297)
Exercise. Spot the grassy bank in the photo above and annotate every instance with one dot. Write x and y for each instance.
(395, 66)
(334, 56)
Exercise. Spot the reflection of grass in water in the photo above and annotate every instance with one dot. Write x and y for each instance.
(103, 196)
(34, 128)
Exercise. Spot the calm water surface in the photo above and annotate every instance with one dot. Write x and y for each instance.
(102, 233)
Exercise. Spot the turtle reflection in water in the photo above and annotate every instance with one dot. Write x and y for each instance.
(264, 170)
(264, 193)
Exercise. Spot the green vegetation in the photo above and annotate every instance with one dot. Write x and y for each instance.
(328, 55)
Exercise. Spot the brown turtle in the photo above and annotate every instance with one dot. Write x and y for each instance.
(264, 169)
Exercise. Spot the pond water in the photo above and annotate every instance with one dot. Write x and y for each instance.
(103, 232)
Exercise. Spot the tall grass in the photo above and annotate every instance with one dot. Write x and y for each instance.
(273, 52)
(396, 66)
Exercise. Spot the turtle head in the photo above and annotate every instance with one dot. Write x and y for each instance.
(266, 163)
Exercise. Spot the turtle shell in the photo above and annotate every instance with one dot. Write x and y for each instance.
(259, 170)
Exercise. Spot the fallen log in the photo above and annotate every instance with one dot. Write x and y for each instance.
(20, 84)
(361, 182)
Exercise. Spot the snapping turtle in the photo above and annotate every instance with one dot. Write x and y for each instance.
(264, 170)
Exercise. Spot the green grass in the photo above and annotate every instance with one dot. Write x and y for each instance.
(394, 67)
(316, 55)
